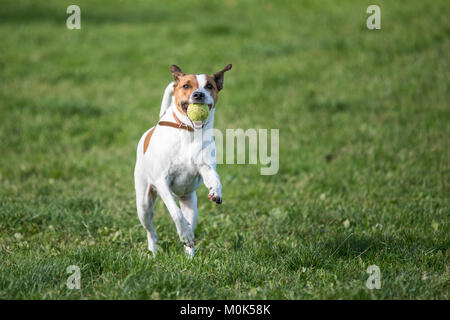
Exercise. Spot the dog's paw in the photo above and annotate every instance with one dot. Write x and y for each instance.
(215, 196)
(186, 234)
(153, 249)
(189, 251)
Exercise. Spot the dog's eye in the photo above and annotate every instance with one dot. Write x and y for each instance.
(186, 86)
(209, 86)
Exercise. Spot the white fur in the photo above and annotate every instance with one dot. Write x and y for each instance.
(173, 169)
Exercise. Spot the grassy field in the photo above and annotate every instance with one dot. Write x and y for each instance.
(364, 125)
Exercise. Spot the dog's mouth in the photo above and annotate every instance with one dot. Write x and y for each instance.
(196, 124)
(185, 105)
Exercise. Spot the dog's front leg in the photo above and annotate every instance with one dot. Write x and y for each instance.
(184, 228)
(212, 182)
(188, 204)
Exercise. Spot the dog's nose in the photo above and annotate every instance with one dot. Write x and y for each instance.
(197, 95)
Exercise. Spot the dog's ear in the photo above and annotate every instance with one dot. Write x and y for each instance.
(218, 77)
(176, 72)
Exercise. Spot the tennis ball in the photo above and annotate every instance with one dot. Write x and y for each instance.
(198, 112)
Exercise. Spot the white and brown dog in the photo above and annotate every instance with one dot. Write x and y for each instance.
(167, 165)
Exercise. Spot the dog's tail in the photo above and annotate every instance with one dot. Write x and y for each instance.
(167, 99)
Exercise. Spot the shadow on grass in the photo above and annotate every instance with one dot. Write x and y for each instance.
(325, 254)
(380, 247)
(119, 13)
(33, 12)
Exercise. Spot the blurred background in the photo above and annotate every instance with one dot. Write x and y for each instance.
(364, 153)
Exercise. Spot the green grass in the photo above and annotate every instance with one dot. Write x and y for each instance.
(364, 149)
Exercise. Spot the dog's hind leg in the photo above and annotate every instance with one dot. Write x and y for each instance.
(146, 197)
(189, 209)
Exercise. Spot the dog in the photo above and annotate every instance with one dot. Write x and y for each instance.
(169, 163)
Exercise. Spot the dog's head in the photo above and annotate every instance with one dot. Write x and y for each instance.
(196, 88)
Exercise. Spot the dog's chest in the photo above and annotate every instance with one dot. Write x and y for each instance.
(183, 173)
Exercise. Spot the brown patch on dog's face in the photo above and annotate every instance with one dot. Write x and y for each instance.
(211, 86)
(183, 88)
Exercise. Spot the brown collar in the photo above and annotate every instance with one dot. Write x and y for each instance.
(178, 124)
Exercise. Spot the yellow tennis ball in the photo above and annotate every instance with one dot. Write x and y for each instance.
(198, 112)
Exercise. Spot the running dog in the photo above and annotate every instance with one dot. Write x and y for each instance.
(170, 163)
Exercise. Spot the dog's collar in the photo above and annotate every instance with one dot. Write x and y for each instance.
(177, 125)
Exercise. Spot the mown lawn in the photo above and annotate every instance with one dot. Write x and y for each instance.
(364, 125)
